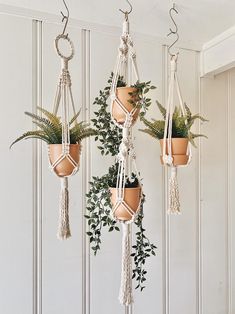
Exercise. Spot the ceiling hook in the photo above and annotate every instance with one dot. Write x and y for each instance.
(173, 32)
(127, 12)
(65, 18)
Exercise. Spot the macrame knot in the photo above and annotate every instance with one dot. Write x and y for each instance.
(113, 96)
(123, 150)
(65, 78)
(167, 159)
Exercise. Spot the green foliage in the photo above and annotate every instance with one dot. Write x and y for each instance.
(50, 129)
(142, 250)
(98, 198)
(142, 90)
(181, 125)
(98, 208)
(108, 134)
(111, 140)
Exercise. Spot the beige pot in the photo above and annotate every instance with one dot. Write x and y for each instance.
(131, 197)
(124, 97)
(179, 148)
(65, 167)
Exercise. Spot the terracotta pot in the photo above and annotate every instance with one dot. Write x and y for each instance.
(124, 97)
(64, 168)
(131, 197)
(179, 151)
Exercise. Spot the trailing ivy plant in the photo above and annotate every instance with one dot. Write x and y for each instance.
(98, 197)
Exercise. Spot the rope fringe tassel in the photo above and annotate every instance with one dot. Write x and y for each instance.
(174, 202)
(125, 293)
(64, 228)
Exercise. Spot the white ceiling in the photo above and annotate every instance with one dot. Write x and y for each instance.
(198, 20)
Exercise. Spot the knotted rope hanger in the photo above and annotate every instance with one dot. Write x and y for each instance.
(64, 98)
(174, 202)
(126, 158)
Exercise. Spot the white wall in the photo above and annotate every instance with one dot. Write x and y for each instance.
(217, 197)
(189, 273)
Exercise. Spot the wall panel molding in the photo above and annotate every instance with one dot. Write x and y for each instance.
(37, 168)
(86, 171)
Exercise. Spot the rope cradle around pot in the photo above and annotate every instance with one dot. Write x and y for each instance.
(126, 158)
(168, 157)
(64, 157)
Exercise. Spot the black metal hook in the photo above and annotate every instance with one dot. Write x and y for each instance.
(65, 18)
(173, 32)
(127, 12)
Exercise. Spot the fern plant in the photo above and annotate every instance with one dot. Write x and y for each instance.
(50, 128)
(181, 125)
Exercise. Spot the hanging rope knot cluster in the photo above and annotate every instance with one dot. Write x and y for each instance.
(124, 114)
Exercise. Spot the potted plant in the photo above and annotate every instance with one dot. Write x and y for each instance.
(132, 98)
(181, 133)
(132, 196)
(50, 131)
(102, 194)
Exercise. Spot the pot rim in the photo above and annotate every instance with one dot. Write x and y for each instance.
(77, 144)
(176, 138)
(122, 87)
(137, 188)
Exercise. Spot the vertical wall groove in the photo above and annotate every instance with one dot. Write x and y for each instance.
(199, 198)
(229, 220)
(165, 216)
(86, 171)
(37, 168)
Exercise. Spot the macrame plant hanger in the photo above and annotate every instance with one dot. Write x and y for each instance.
(126, 64)
(64, 98)
(173, 190)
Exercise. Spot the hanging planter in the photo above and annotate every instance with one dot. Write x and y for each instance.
(68, 165)
(118, 195)
(179, 149)
(174, 131)
(62, 133)
(102, 196)
(124, 210)
(127, 101)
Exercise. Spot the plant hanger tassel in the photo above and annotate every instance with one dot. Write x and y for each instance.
(64, 98)
(126, 60)
(168, 154)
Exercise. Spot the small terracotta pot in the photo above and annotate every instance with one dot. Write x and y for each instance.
(131, 197)
(124, 97)
(179, 148)
(65, 167)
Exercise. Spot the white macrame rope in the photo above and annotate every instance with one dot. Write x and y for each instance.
(173, 192)
(125, 292)
(64, 97)
(167, 139)
(64, 228)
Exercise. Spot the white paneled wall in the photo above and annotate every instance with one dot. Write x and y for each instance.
(192, 271)
(17, 190)
(217, 197)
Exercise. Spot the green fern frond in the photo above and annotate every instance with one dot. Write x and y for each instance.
(52, 117)
(32, 134)
(161, 109)
(148, 131)
(75, 117)
(53, 137)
